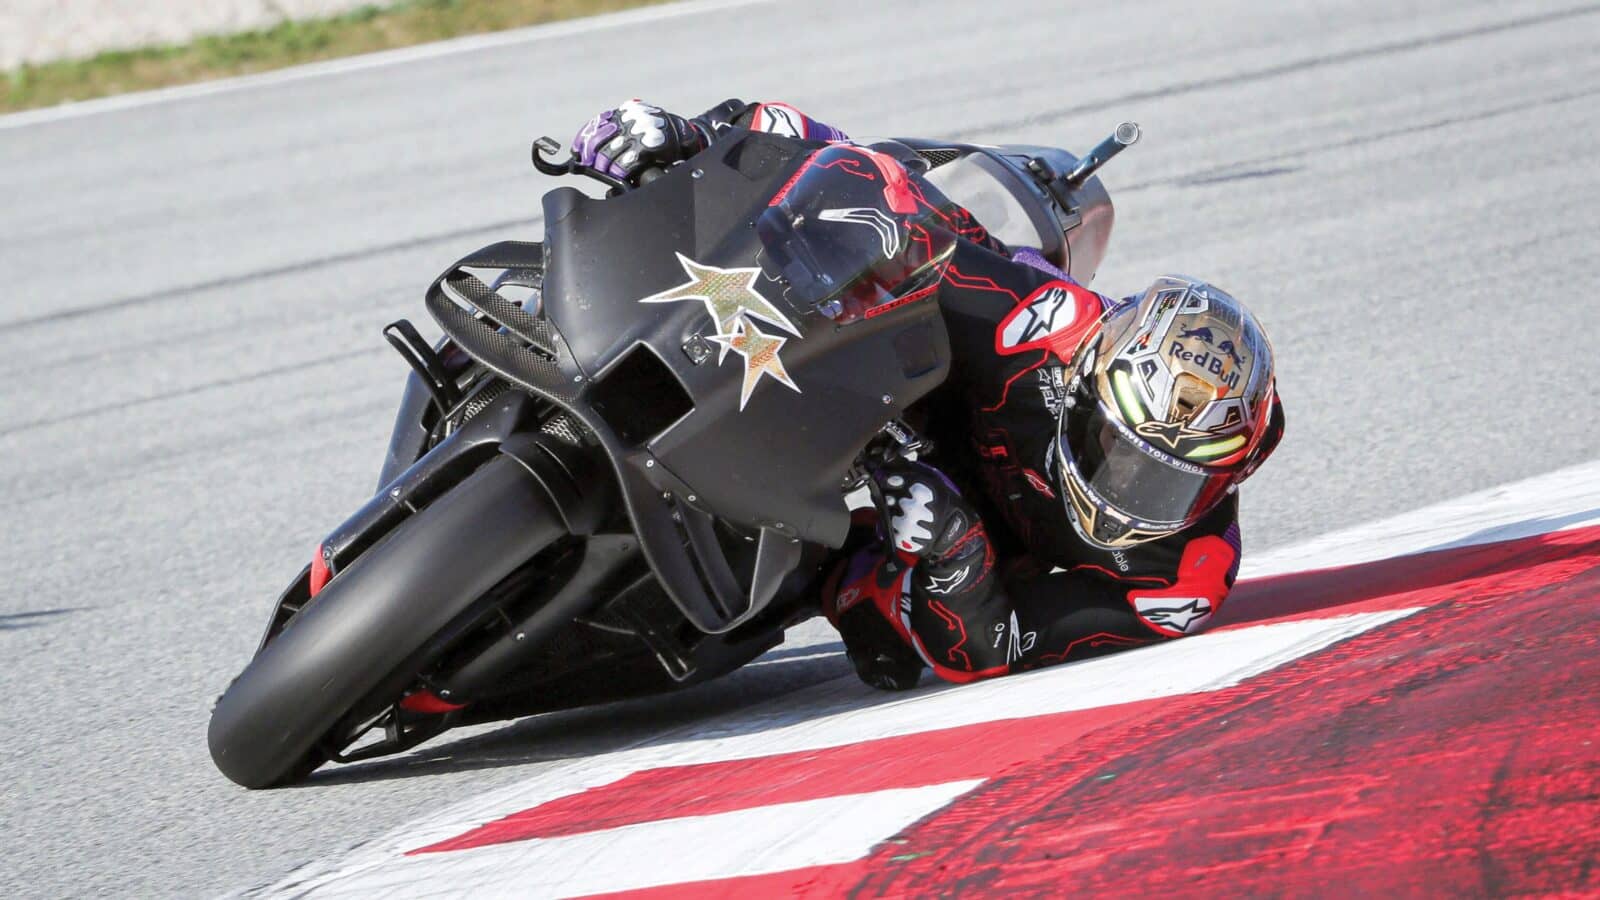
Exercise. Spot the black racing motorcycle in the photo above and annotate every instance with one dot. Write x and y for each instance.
(622, 468)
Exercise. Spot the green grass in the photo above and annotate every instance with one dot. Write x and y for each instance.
(364, 30)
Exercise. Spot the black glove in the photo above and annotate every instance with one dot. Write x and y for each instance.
(636, 136)
(851, 593)
(880, 657)
(927, 516)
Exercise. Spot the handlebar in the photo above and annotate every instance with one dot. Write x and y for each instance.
(550, 147)
(1124, 137)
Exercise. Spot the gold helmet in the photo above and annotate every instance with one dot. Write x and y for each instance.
(1170, 399)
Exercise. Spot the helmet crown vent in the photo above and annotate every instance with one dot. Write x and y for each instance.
(1190, 395)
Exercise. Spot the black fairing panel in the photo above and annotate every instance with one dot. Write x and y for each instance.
(779, 462)
(607, 254)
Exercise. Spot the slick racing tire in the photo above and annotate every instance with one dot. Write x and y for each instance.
(372, 620)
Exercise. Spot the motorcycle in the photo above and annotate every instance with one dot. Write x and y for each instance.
(625, 464)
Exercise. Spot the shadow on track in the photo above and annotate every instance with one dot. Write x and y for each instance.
(764, 696)
(724, 707)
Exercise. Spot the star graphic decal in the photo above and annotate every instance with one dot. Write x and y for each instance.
(727, 294)
(730, 298)
(760, 352)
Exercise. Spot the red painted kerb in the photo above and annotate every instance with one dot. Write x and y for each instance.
(1453, 752)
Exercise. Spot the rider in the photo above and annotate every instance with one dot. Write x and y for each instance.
(1103, 443)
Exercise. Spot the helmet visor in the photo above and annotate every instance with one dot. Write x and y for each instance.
(1123, 474)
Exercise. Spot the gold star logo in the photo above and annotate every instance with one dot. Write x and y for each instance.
(727, 294)
(760, 352)
(730, 298)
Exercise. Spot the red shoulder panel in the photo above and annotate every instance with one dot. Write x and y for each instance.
(1054, 317)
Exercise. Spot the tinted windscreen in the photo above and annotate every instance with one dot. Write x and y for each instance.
(991, 194)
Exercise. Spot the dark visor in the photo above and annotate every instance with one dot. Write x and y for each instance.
(1122, 471)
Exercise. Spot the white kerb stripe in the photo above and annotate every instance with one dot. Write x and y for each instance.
(1556, 501)
(839, 713)
(766, 839)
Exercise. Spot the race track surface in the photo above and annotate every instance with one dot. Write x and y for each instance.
(195, 389)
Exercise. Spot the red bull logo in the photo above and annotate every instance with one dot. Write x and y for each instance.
(1208, 361)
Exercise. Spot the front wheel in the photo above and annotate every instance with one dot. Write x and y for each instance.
(374, 619)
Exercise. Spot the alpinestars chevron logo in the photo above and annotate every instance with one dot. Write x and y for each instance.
(1173, 614)
(1055, 317)
(948, 583)
(888, 229)
(731, 300)
(1169, 433)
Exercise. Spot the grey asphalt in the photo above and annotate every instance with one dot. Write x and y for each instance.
(192, 386)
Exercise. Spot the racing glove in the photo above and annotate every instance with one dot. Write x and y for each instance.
(933, 530)
(876, 651)
(927, 516)
(636, 136)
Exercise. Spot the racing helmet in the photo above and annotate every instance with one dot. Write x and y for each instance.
(1169, 400)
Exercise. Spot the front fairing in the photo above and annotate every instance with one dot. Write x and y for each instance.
(768, 400)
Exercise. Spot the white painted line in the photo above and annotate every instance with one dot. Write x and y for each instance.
(793, 659)
(363, 62)
(777, 838)
(812, 719)
(1556, 501)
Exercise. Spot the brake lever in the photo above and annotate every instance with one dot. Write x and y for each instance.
(550, 146)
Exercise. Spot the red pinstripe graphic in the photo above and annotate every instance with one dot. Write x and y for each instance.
(979, 283)
(956, 277)
(954, 625)
(1044, 357)
(1102, 639)
(1119, 576)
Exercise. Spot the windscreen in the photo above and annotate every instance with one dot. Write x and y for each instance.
(973, 181)
(851, 235)
(997, 196)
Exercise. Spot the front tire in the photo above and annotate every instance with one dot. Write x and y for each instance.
(373, 619)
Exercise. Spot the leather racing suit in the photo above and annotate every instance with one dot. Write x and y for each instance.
(988, 575)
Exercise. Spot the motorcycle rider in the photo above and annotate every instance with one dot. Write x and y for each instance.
(1087, 502)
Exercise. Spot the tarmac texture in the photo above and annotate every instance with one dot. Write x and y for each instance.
(195, 388)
